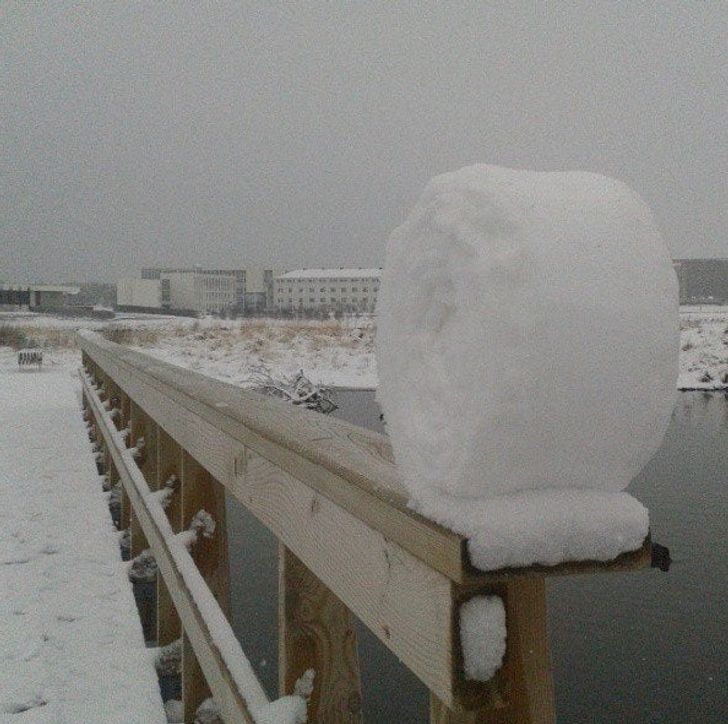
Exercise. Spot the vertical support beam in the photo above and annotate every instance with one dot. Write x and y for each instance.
(137, 427)
(194, 687)
(169, 463)
(125, 504)
(316, 631)
(200, 491)
(115, 399)
(440, 714)
(525, 678)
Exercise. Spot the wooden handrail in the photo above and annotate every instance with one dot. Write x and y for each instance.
(229, 673)
(331, 494)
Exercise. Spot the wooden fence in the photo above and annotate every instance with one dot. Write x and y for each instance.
(329, 491)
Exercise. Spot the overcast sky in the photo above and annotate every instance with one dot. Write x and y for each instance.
(242, 133)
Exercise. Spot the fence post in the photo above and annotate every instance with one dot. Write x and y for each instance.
(169, 463)
(141, 428)
(200, 491)
(525, 680)
(316, 631)
(124, 417)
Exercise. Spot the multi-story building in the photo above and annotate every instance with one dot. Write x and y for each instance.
(328, 290)
(200, 290)
(260, 289)
(139, 294)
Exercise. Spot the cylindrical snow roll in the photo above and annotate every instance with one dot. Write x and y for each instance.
(527, 334)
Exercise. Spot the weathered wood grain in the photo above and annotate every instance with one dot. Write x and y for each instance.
(200, 491)
(316, 631)
(404, 602)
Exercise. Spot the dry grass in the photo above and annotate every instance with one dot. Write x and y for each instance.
(132, 336)
(18, 336)
(255, 333)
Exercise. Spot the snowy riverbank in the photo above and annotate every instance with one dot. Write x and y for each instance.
(703, 348)
(330, 353)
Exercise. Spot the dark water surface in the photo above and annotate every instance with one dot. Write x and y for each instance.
(626, 647)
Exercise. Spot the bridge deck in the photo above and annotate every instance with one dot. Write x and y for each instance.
(71, 645)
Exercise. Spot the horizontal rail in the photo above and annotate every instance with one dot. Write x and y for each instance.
(232, 680)
(349, 465)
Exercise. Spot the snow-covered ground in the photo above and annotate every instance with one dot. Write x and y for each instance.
(335, 353)
(71, 644)
(330, 353)
(703, 348)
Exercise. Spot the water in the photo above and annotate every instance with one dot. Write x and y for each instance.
(626, 647)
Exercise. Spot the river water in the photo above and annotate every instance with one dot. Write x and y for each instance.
(634, 647)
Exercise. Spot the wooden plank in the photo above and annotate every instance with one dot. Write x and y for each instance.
(228, 696)
(326, 518)
(316, 631)
(124, 416)
(404, 602)
(442, 714)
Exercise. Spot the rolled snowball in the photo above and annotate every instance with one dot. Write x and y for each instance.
(527, 334)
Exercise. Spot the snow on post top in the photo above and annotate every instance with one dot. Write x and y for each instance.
(527, 336)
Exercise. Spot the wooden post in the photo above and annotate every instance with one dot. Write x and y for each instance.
(194, 687)
(200, 491)
(169, 463)
(525, 679)
(316, 631)
(147, 462)
(125, 417)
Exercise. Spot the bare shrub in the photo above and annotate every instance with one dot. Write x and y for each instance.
(12, 336)
(132, 336)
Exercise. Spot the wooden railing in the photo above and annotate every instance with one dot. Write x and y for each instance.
(349, 544)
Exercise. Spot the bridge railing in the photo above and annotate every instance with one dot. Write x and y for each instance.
(329, 491)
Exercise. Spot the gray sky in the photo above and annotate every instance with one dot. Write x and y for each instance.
(174, 134)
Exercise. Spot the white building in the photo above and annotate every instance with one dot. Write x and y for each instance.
(142, 293)
(328, 290)
(260, 289)
(203, 291)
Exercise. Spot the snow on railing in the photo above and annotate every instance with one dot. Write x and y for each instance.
(350, 544)
(198, 599)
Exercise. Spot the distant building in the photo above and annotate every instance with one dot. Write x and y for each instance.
(702, 280)
(139, 293)
(198, 290)
(36, 296)
(328, 290)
